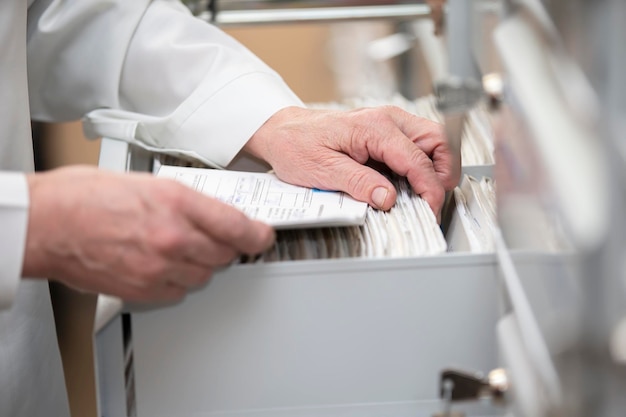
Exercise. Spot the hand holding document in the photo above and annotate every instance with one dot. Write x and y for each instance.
(263, 197)
(309, 218)
(408, 229)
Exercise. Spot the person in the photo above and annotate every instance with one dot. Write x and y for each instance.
(189, 87)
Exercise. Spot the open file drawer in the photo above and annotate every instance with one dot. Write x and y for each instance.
(337, 334)
(338, 337)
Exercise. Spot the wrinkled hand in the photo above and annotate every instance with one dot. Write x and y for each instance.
(328, 150)
(131, 235)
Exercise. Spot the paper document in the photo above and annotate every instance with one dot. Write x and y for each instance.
(408, 229)
(262, 196)
(474, 221)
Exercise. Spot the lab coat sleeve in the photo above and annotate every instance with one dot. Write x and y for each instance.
(149, 73)
(13, 223)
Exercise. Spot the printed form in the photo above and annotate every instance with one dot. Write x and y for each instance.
(262, 196)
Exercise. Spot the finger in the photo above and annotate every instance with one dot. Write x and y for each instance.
(184, 242)
(421, 175)
(168, 293)
(189, 276)
(201, 250)
(405, 158)
(162, 293)
(361, 182)
(228, 225)
(430, 137)
(170, 284)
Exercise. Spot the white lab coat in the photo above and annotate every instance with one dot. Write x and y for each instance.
(164, 78)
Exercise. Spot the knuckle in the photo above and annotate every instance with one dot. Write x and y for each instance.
(436, 197)
(169, 240)
(387, 109)
(420, 157)
(383, 114)
(268, 235)
(355, 140)
(172, 193)
(372, 127)
(225, 256)
(151, 274)
(238, 226)
(357, 181)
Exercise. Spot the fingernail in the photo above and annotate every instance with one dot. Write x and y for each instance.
(379, 196)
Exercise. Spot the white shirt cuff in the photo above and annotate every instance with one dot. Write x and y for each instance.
(13, 223)
(209, 126)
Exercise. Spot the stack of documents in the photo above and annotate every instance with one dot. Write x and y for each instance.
(473, 221)
(314, 224)
(477, 140)
(409, 229)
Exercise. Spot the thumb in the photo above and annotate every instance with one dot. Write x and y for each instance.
(364, 184)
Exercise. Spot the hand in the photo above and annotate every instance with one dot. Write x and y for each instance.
(131, 235)
(328, 150)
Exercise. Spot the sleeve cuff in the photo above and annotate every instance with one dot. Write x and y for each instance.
(212, 129)
(219, 128)
(13, 223)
